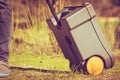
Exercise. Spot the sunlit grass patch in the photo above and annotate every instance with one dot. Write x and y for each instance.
(27, 59)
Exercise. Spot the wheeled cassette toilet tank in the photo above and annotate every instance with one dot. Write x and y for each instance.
(81, 39)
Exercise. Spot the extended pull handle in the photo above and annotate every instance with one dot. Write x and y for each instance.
(53, 13)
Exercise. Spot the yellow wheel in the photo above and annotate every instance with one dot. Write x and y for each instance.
(95, 65)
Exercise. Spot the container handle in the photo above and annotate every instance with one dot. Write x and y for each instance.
(53, 12)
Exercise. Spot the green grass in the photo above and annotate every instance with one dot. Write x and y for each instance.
(108, 26)
(52, 62)
(109, 74)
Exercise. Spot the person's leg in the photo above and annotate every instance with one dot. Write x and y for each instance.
(5, 35)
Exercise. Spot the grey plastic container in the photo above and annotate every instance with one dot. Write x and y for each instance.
(80, 36)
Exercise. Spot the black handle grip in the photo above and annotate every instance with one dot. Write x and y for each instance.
(53, 12)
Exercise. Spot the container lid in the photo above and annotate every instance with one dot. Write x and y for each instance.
(79, 15)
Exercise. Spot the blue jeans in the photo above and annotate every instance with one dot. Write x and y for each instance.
(5, 29)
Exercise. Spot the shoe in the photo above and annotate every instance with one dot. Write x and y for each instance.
(4, 69)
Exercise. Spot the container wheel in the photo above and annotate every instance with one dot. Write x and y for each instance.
(95, 65)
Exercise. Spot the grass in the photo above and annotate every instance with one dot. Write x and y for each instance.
(50, 62)
(108, 26)
(109, 74)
